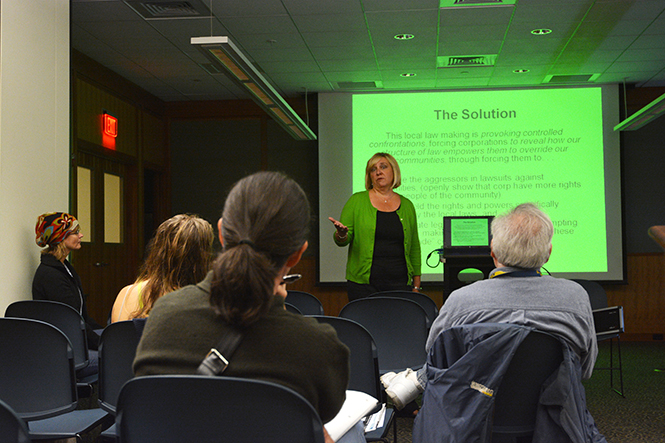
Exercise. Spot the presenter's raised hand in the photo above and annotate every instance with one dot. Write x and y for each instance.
(341, 229)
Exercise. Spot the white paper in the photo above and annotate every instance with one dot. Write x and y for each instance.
(356, 406)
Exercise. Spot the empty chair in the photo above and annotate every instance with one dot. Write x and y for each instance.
(37, 380)
(608, 321)
(306, 303)
(399, 328)
(12, 428)
(364, 375)
(65, 318)
(191, 408)
(117, 348)
(423, 300)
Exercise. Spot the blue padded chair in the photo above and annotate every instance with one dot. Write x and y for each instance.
(12, 428)
(364, 376)
(192, 408)
(65, 318)
(117, 348)
(38, 381)
(306, 303)
(292, 308)
(423, 300)
(399, 328)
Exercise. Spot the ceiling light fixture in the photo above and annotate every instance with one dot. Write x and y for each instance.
(408, 74)
(404, 36)
(520, 71)
(645, 115)
(542, 31)
(223, 53)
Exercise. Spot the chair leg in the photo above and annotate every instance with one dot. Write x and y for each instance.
(620, 368)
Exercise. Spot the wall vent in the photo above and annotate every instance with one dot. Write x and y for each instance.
(465, 61)
(360, 85)
(169, 9)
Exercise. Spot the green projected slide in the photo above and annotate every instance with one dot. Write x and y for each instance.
(469, 232)
(483, 152)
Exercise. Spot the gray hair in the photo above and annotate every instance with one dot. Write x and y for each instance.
(523, 237)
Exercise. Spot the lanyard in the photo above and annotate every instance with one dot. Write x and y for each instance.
(518, 273)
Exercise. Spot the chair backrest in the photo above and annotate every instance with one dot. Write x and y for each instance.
(117, 348)
(37, 376)
(60, 315)
(597, 294)
(177, 408)
(423, 300)
(537, 357)
(292, 308)
(12, 428)
(398, 326)
(306, 303)
(363, 357)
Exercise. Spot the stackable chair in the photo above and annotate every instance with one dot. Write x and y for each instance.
(608, 321)
(292, 308)
(306, 303)
(69, 321)
(192, 408)
(364, 374)
(117, 348)
(537, 357)
(398, 326)
(423, 300)
(38, 381)
(12, 428)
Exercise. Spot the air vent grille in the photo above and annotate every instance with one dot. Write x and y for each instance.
(583, 78)
(465, 61)
(360, 85)
(172, 9)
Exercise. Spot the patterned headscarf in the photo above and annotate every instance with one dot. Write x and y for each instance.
(54, 227)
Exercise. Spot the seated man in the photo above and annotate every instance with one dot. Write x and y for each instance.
(515, 292)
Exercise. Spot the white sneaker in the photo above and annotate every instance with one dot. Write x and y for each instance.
(403, 388)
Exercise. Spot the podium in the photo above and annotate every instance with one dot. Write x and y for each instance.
(454, 264)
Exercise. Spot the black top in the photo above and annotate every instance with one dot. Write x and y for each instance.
(58, 281)
(388, 262)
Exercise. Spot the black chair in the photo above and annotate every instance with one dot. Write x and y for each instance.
(117, 348)
(12, 428)
(364, 376)
(608, 321)
(69, 321)
(292, 308)
(537, 357)
(191, 408)
(398, 326)
(38, 381)
(423, 300)
(307, 303)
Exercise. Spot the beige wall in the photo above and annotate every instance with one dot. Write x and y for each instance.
(34, 132)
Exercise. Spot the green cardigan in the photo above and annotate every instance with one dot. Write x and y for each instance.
(360, 217)
(281, 347)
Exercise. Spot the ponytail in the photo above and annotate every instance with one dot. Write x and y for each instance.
(265, 220)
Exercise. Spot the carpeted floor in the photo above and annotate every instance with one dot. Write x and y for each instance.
(637, 418)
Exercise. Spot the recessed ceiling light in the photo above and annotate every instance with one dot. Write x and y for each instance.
(408, 74)
(520, 71)
(404, 36)
(542, 31)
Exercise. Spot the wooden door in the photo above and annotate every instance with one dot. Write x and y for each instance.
(106, 206)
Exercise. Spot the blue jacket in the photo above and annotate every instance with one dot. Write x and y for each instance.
(465, 367)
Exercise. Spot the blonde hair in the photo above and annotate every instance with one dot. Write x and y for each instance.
(59, 251)
(180, 254)
(397, 175)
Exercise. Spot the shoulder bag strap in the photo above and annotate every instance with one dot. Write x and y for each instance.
(218, 358)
